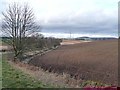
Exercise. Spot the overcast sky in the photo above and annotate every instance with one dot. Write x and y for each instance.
(80, 17)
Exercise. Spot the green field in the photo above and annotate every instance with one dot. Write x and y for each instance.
(12, 78)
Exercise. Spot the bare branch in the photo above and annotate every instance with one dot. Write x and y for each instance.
(18, 23)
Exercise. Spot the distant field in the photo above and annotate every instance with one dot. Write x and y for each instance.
(69, 42)
(4, 46)
(96, 61)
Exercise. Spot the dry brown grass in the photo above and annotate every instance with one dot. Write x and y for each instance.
(96, 61)
(45, 77)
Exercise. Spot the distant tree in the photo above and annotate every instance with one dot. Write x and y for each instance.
(18, 23)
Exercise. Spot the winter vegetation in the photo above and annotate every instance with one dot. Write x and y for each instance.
(31, 60)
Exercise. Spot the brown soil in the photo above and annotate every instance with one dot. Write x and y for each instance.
(68, 42)
(96, 61)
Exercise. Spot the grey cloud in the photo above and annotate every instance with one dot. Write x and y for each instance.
(105, 26)
(95, 22)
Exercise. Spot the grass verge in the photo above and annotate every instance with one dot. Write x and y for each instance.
(13, 78)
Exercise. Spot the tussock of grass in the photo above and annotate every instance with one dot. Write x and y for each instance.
(93, 84)
(12, 78)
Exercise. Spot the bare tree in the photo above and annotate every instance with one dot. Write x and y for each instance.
(18, 23)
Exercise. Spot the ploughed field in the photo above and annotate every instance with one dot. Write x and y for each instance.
(96, 61)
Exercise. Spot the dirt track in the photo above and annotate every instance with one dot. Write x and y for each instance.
(97, 61)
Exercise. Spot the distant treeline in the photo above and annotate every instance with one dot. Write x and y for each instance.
(95, 38)
(36, 42)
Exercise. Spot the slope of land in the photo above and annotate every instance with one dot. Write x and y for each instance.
(21, 75)
(96, 61)
(15, 78)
